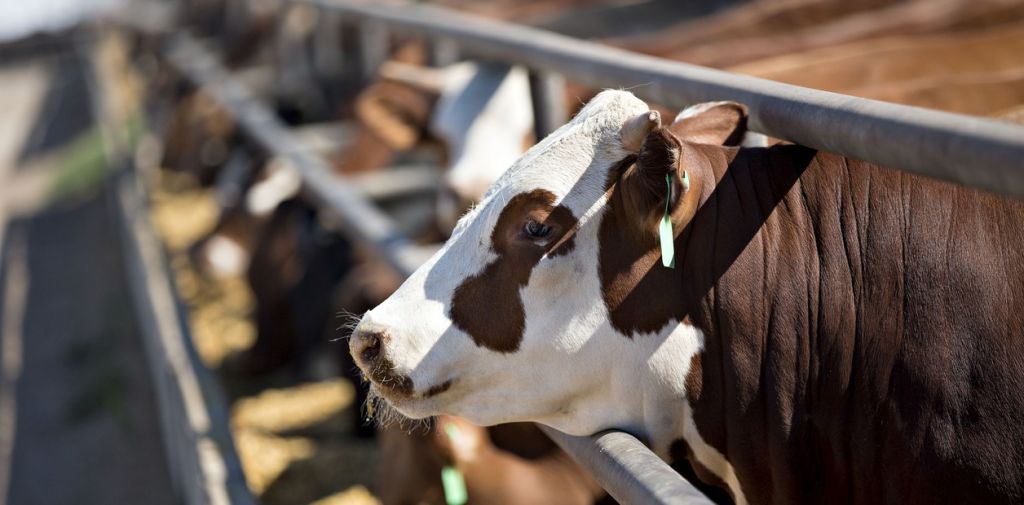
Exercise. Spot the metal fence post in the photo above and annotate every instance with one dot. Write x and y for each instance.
(373, 48)
(547, 94)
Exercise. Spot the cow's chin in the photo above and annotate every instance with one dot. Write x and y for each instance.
(389, 404)
(412, 404)
(395, 407)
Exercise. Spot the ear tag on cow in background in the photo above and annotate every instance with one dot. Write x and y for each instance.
(455, 487)
(454, 484)
(668, 252)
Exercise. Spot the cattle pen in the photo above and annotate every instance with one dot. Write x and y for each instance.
(970, 151)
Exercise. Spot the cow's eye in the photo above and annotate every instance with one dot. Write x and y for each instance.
(533, 229)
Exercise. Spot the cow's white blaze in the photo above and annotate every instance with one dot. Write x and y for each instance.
(572, 369)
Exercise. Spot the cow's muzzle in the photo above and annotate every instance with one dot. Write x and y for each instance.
(368, 351)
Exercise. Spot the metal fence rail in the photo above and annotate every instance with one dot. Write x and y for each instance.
(201, 456)
(972, 151)
(361, 218)
(200, 453)
(622, 464)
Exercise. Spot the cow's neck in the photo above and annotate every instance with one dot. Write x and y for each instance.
(754, 215)
(723, 273)
(753, 274)
(738, 191)
(810, 280)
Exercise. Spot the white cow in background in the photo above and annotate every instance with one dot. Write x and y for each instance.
(485, 119)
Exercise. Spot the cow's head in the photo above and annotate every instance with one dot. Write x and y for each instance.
(549, 303)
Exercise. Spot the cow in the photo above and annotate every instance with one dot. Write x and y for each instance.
(485, 120)
(830, 331)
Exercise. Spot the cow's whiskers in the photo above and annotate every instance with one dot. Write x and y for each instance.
(379, 410)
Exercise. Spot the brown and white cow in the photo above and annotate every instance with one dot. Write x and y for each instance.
(832, 331)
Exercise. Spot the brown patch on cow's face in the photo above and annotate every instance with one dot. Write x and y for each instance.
(487, 305)
(438, 389)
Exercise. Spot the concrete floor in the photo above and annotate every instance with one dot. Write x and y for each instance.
(78, 422)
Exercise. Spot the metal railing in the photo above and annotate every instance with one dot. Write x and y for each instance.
(203, 467)
(972, 151)
(201, 456)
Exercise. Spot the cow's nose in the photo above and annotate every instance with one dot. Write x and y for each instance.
(365, 346)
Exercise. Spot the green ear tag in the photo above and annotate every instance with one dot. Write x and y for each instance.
(668, 252)
(454, 486)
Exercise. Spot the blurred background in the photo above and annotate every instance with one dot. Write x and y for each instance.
(174, 293)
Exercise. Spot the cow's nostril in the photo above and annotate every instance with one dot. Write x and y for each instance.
(369, 350)
(366, 346)
(372, 348)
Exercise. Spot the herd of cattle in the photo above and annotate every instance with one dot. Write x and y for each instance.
(832, 331)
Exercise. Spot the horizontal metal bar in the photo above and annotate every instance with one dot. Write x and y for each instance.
(627, 468)
(973, 151)
(396, 182)
(361, 219)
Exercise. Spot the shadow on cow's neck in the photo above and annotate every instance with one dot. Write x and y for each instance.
(752, 187)
(734, 207)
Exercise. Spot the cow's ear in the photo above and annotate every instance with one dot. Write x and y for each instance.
(656, 173)
(656, 154)
(715, 123)
(636, 129)
(658, 163)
